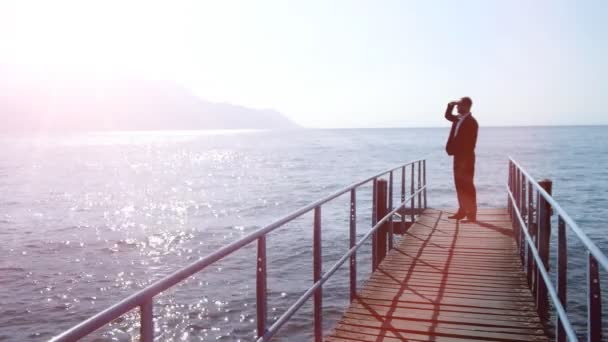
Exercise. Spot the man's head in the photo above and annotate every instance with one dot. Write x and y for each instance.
(464, 105)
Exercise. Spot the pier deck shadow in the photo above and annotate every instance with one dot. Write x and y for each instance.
(446, 281)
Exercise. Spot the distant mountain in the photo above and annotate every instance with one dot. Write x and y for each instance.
(128, 105)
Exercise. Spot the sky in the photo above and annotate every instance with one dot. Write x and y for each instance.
(339, 63)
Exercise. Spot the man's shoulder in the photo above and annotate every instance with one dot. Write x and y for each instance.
(473, 120)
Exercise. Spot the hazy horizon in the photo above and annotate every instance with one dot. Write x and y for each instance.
(250, 130)
(343, 64)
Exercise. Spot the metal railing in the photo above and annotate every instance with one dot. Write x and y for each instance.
(144, 299)
(530, 206)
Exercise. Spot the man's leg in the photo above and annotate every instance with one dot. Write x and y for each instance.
(468, 187)
(458, 183)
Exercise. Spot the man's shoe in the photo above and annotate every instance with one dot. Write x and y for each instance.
(470, 219)
(458, 216)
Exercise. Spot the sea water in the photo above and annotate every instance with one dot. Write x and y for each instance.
(87, 219)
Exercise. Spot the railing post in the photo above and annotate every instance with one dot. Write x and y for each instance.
(318, 264)
(424, 181)
(261, 287)
(518, 201)
(382, 231)
(390, 208)
(562, 280)
(403, 199)
(419, 186)
(510, 184)
(544, 238)
(530, 221)
(515, 184)
(516, 225)
(374, 221)
(413, 199)
(524, 198)
(524, 207)
(594, 301)
(531, 263)
(146, 328)
(353, 241)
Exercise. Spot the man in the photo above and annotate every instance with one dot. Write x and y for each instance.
(461, 145)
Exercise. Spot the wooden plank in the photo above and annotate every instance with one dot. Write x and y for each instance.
(445, 316)
(344, 333)
(446, 281)
(443, 329)
(391, 290)
(520, 313)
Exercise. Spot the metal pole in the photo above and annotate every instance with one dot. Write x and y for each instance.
(519, 182)
(530, 203)
(510, 182)
(353, 241)
(403, 199)
(318, 264)
(424, 181)
(594, 301)
(517, 196)
(524, 212)
(524, 208)
(535, 232)
(146, 328)
(531, 263)
(413, 200)
(261, 287)
(562, 279)
(379, 249)
(390, 208)
(419, 186)
(518, 204)
(537, 237)
(544, 239)
(374, 221)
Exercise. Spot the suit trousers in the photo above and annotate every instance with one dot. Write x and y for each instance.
(464, 172)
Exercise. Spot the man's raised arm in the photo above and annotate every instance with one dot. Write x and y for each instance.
(448, 112)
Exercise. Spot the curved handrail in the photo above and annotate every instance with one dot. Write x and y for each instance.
(590, 245)
(143, 297)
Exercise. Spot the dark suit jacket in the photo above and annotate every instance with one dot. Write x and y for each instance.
(464, 142)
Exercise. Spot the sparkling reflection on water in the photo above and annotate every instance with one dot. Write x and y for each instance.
(89, 219)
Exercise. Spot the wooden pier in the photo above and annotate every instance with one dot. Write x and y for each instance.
(447, 281)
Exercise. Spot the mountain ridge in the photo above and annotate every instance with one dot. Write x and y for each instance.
(129, 105)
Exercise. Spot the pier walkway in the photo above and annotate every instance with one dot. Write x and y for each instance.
(447, 281)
